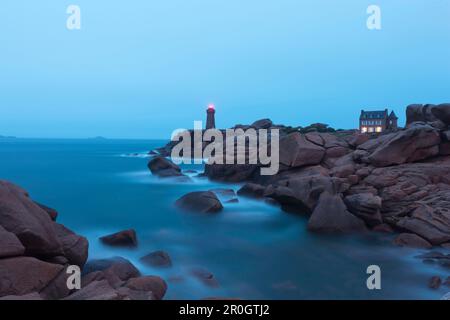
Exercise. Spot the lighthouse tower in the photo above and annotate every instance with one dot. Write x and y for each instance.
(210, 118)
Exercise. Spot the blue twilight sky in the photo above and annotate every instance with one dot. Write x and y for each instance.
(141, 68)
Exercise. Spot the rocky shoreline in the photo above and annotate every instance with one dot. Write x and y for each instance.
(398, 181)
(36, 253)
(345, 182)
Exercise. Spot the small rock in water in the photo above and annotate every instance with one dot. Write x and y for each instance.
(435, 282)
(164, 168)
(157, 259)
(126, 238)
(200, 201)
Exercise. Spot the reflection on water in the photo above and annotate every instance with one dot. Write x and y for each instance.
(252, 248)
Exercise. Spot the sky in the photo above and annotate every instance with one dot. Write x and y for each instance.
(143, 68)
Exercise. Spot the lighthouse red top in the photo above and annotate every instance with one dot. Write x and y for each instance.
(211, 107)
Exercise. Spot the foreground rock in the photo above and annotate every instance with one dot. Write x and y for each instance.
(10, 245)
(25, 275)
(117, 279)
(29, 222)
(125, 238)
(34, 250)
(200, 201)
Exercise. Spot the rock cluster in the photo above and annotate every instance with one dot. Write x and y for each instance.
(347, 181)
(36, 251)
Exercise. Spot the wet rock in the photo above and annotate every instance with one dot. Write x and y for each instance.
(365, 206)
(435, 282)
(30, 223)
(125, 238)
(10, 245)
(153, 284)
(75, 247)
(412, 241)
(331, 216)
(251, 190)
(97, 290)
(163, 167)
(53, 214)
(200, 201)
(115, 270)
(157, 259)
(24, 275)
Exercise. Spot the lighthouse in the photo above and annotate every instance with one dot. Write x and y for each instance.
(210, 118)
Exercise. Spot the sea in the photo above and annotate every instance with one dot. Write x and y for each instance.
(253, 249)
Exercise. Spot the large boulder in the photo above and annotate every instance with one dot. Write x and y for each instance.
(365, 206)
(419, 113)
(115, 270)
(442, 112)
(24, 275)
(297, 151)
(200, 201)
(28, 221)
(416, 143)
(153, 284)
(252, 190)
(163, 167)
(332, 216)
(10, 245)
(75, 247)
(428, 113)
(432, 224)
(125, 238)
(301, 193)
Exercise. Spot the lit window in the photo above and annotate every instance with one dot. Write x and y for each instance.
(371, 129)
(379, 129)
(364, 129)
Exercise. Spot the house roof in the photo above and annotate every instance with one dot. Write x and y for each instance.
(373, 114)
(392, 115)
